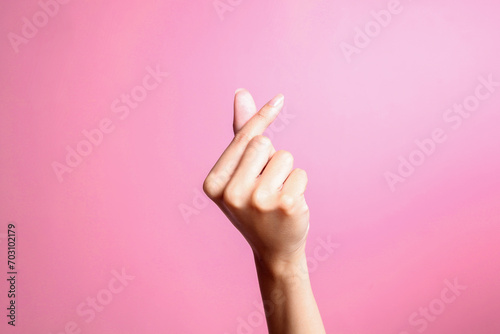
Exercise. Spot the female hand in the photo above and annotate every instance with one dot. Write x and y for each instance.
(258, 189)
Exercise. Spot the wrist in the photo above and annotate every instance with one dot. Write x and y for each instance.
(282, 267)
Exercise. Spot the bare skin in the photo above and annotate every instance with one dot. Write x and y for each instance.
(261, 193)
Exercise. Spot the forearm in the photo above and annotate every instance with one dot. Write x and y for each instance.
(288, 298)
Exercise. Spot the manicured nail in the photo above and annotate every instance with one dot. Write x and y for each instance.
(238, 90)
(277, 100)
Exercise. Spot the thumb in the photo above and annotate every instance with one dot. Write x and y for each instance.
(244, 108)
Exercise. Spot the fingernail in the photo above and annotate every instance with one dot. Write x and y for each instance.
(277, 100)
(238, 90)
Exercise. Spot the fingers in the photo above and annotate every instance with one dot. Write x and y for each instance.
(260, 121)
(244, 108)
(292, 193)
(277, 171)
(295, 184)
(241, 186)
(224, 168)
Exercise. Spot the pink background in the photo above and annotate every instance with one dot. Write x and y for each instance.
(134, 202)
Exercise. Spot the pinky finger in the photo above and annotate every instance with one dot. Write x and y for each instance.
(295, 185)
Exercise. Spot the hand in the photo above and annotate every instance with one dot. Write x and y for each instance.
(258, 189)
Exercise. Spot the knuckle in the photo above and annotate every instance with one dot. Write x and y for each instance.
(260, 199)
(285, 156)
(242, 138)
(260, 142)
(301, 205)
(262, 114)
(211, 187)
(286, 203)
(208, 187)
(233, 196)
(305, 208)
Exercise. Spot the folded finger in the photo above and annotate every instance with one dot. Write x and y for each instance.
(230, 158)
(253, 161)
(276, 171)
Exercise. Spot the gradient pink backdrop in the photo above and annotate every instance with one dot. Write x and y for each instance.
(124, 207)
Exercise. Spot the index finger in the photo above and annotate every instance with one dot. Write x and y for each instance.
(224, 167)
(260, 121)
